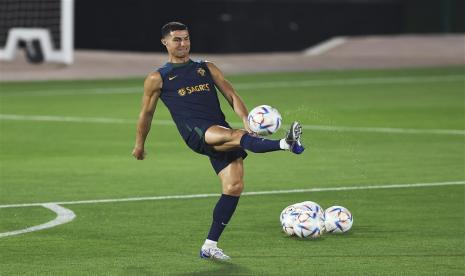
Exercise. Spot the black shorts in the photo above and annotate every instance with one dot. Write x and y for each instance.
(196, 141)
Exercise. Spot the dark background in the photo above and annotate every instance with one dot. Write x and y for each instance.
(254, 25)
(225, 26)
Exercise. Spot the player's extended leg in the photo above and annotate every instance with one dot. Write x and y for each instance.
(232, 184)
(226, 139)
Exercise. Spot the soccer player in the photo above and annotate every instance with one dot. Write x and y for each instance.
(189, 90)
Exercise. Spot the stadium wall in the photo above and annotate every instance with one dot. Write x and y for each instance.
(255, 25)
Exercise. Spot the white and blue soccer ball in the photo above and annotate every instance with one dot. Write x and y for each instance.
(264, 120)
(338, 219)
(312, 207)
(288, 223)
(285, 212)
(308, 225)
(289, 215)
(287, 218)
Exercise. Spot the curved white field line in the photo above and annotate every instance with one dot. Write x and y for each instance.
(63, 216)
(102, 120)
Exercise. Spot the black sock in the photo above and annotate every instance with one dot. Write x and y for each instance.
(222, 213)
(259, 145)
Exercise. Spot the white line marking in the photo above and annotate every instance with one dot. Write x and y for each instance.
(63, 216)
(386, 130)
(325, 46)
(47, 118)
(245, 86)
(370, 187)
(354, 81)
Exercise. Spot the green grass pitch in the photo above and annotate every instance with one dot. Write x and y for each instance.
(72, 140)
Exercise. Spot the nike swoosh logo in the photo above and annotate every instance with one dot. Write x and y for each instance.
(224, 224)
(172, 78)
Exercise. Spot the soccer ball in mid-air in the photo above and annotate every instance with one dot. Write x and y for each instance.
(264, 120)
(338, 219)
(308, 225)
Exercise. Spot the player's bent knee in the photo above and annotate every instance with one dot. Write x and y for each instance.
(235, 135)
(234, 188)
(217, 135)
(238, 133)
(222, 136)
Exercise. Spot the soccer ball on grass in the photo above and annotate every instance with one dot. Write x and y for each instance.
(308, 225)
(338, 219)
(287, 218)
(313, 207)
(298, 218)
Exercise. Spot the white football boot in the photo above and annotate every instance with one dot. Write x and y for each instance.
(213, 253)
(293, 138)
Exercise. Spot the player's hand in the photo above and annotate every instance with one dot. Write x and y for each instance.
(139, 153)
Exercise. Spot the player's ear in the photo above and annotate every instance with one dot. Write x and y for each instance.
(163, 41)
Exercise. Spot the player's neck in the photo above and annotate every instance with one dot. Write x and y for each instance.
(173, 59)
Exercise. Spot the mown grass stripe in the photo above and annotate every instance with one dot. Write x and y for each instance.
(273, 192)
(75, 91)
(102, 120)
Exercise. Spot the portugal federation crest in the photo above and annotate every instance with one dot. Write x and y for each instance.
(201, 72)
(182, 92)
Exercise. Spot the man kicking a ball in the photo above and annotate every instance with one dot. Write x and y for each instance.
(189, 90)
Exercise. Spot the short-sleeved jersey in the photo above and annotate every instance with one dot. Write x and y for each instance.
(190, 94)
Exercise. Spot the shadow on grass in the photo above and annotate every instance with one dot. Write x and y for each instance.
(220, 268)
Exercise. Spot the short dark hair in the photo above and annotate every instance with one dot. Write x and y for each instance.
(172, 26)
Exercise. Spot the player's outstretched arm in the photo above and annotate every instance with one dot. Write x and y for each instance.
(152, 90)
(229, 93)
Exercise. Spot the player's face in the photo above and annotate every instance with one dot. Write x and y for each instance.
(178, 43)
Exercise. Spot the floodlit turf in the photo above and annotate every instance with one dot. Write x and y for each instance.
(408, 231)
